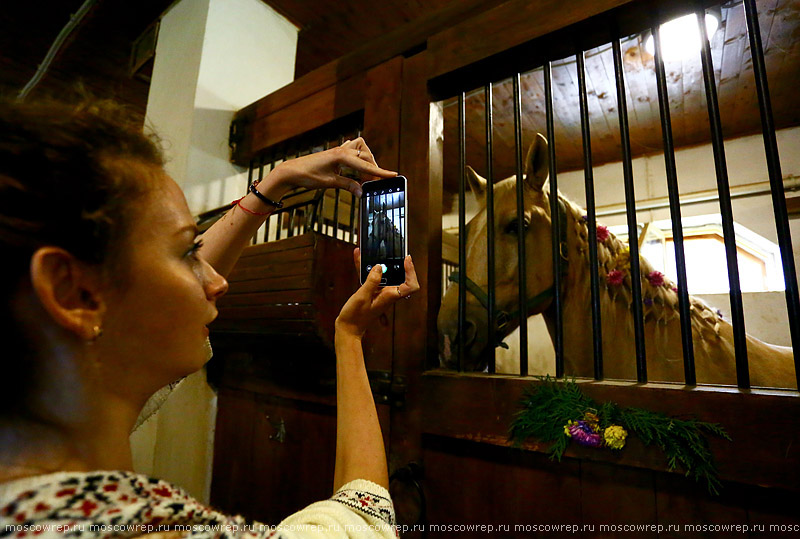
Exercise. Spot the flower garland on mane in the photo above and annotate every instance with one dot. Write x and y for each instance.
(659, 293)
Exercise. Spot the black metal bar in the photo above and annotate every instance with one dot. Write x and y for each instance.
(726, 210)
(555, 222)
(336, 214)
(588, 175)
(353, 203)
(269, 217)
(775, 180)
(462, 233)
(260, 177)
(523, 289)
(291, 223)
(674, 205)
(490, 228)
(630, 207)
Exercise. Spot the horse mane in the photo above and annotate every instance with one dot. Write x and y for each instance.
(659, 293)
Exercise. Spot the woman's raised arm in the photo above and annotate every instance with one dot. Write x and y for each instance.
(225, 240)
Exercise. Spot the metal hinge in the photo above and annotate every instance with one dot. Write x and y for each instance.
(388, 389)
(235, 134)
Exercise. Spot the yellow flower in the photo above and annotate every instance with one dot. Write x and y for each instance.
(615, 437)
(592, 420)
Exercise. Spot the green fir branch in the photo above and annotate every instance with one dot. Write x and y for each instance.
(547, 406)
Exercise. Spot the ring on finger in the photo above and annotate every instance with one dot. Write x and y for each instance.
(358, 154)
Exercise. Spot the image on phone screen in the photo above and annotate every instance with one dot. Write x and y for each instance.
(383, 239)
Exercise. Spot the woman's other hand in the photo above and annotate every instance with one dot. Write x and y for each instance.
(323, 170)
(371, 301)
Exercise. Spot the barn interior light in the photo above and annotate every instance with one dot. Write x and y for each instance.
(680, 38)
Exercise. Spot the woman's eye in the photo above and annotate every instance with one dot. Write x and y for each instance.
(192, 252)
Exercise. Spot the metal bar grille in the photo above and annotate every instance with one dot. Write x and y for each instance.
(775, 179)
(490, 229)
(675, 209)
(726, 210)
(591, 220)
(462, 233)
(523, 298)
(558, 340)
(640, 294)
(630, 200)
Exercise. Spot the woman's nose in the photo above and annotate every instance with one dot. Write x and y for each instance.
(215, 284)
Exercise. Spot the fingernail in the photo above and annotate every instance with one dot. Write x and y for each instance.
(358, 192)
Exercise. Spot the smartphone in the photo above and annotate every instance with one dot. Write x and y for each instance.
(382, 234)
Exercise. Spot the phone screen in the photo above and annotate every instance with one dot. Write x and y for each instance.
(383, 228)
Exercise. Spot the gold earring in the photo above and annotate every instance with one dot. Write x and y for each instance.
(97, 332)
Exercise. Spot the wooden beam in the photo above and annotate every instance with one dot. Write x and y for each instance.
(507, 25)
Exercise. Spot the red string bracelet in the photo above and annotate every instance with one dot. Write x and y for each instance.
(238, 202)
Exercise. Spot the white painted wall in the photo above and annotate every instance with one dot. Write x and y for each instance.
(765, 313)
(213, 57)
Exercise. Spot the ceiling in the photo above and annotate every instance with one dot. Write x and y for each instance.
(98, 52)
(780, 29)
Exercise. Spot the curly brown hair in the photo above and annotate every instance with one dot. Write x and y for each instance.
(65, 181)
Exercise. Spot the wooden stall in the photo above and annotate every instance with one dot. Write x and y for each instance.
(447, 432)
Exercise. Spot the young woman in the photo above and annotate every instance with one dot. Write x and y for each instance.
(106, 295)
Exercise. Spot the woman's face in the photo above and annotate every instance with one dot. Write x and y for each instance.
(155, 324)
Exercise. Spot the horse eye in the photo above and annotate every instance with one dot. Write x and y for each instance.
(513, 226)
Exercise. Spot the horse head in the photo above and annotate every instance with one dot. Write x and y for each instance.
(535, 225)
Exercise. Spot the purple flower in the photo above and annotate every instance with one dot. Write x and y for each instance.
(589, 439)
(584, 218)
(719, 313)
(648, 301)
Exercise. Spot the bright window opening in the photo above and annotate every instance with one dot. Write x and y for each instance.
(706, 265)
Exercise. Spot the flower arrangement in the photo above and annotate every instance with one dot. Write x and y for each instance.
(558, 412)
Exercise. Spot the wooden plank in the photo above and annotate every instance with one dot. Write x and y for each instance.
(296, 242)
(680, 502)
(289, 436)
(415, 319)
(233, 456)
(265, 298)
(517, 483)
(507, 25)
(289, 256)
(276, 267)
(478, 407)
(263, 312)
(382, 132)
(294, 282)
(616, 495)
(316, 110)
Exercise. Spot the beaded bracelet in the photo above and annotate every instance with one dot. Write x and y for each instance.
(263, 198)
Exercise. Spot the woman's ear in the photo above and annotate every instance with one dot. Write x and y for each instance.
(69, 290)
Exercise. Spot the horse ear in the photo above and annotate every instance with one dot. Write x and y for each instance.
(476, 183)
(538, 163)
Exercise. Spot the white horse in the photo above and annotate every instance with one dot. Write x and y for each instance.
(770, 365)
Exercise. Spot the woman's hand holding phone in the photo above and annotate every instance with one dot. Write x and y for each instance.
(323, 170)
(371, 301)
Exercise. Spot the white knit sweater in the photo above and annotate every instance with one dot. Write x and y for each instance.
(123, 504)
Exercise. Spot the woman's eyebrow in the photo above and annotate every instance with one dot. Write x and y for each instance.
(190, 228)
